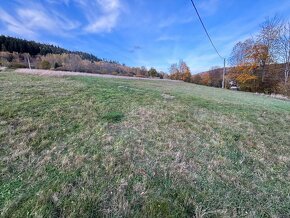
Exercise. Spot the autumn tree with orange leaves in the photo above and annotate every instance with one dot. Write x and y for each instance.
(180, 71)
(244, 59)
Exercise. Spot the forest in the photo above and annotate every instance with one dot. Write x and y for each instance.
(11, 44)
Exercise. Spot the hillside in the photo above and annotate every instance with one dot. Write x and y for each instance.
(12, 44)
(87, 147)
(19, 53)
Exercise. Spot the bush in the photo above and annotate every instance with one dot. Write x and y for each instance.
(56, 65)
(62, 68)
(284, 89)
(15, 65)
(10, 57)
(152, 72)
(45, 65)
(196, 79)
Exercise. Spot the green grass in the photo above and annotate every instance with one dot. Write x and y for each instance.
(94, 147)
(113, 117)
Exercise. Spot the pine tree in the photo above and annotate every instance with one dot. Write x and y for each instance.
(3, 48)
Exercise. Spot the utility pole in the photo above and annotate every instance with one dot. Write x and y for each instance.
(224, 73)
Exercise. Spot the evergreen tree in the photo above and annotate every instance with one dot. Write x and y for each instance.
(33, 48)
(152, 72)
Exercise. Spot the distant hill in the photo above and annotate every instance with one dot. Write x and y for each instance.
(12, 44)
(20, 53)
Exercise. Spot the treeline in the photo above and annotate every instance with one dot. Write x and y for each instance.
(11, 44)
(258, 64)
(181, 71)
(18, 53)
(73, 62)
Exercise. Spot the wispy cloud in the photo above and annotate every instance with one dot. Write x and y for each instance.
(13, 25)
(28, 21)
(208, 7)
(110, 11)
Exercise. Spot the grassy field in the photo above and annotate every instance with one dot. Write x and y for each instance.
(94, 147)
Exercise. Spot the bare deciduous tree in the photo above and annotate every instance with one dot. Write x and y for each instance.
(268, 39)
(284, 49)
(240, 52)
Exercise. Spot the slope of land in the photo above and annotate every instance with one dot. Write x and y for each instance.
(88, 146)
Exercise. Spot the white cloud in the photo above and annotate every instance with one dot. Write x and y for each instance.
(208, 7)
(29, 21)
(35, 19)
(13, 25)
(109, 14)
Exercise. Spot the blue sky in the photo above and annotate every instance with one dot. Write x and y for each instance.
(140, 32)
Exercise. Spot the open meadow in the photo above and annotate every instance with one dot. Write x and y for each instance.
(93, 147)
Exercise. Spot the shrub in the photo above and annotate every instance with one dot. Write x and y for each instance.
(197, 79)
(152, 72)
(15, 65)
(62, 68)
(45, 65)
(10, 57)
(284, 89)
(56, 65)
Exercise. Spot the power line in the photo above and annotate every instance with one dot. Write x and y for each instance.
(224, 71)
(206, 30)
